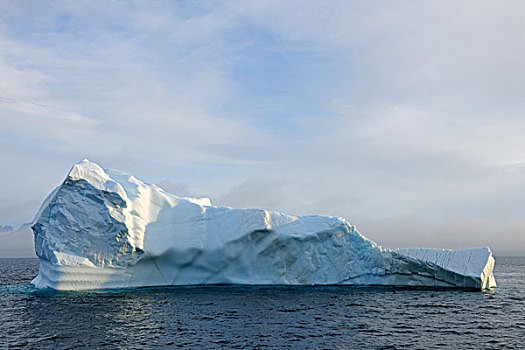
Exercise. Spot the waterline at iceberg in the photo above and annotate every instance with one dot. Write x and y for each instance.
(102, 228)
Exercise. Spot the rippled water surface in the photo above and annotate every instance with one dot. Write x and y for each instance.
(262, 317)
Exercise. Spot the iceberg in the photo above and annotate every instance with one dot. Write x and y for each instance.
(102, 228)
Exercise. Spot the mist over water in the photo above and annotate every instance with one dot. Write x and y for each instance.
(261, 317)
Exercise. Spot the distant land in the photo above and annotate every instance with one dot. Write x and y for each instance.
(17, 244)
(6, 228)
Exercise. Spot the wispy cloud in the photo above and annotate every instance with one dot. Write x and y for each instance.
(47, 111)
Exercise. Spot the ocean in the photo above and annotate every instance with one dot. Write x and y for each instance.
(238, 317)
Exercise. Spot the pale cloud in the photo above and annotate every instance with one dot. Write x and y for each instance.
(47, 111)
(26, 107)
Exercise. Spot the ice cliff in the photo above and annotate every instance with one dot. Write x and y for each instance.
(102, 228)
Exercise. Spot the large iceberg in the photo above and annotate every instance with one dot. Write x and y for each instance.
(102, 228)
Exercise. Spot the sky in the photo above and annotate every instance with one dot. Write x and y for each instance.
(405, 117)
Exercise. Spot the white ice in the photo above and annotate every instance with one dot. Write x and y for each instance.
(102, 228)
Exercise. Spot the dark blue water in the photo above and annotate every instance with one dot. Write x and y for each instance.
(262, 317)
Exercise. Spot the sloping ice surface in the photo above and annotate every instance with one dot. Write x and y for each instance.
(102, 228)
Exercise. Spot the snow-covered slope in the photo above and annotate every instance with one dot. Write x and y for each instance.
(102, 228)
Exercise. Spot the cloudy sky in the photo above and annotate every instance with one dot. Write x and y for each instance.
(407, 118)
